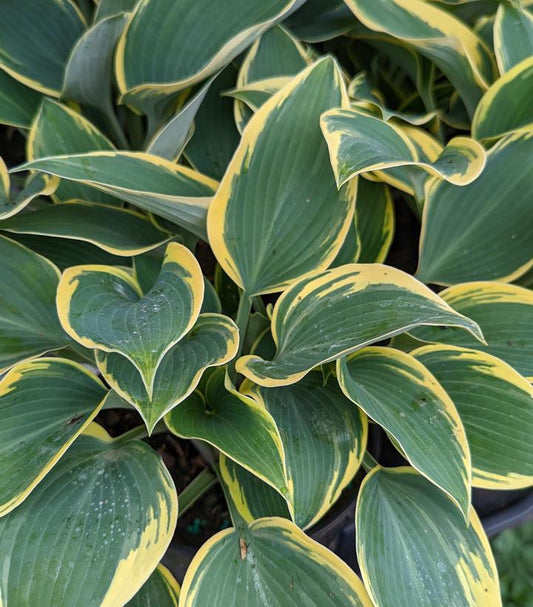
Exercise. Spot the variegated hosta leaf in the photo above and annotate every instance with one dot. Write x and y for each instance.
(103, 307)
(437, 35)
(236, 425)
(122, 232)
(200, 35)
(93, 530)
(256, 226)
(36, 185)
(505, 315)
(407, 528)
(374, 221)
(160, 590)
(172, 137)
(250, 496)
(273, 563)
(466, 236)
(18, 103)
(276, 53)
(108, 8)
(36, 37)
(320, 20)
(44, 405)
(323, 437)
(360, 90)
(175, 192)
(506, 106)
(513, 35)
(89, 72)
(56, 131)
(360, 143)
(338, 311)
(29, 325)
(402, 396)
(496, 405)
(213, 341)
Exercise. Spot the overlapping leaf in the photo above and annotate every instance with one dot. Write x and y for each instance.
(271, 562)
(93, 530)
(339, 311)
(505, 315)
(236, 425)
(437, 35)
(402, 396)
(360, 143)
(466, 236)
(200, 36)
(152, 183)
(406, 527)
(496, 405)
(160, 590)
(29, 325)
(513, 35)
(18, 103)
(36, 185)
(103, 307)
(119, 231)
(213, 341)
(256, 226)
(36, 37)
(45, 404)
(506, 106)
(374, 221)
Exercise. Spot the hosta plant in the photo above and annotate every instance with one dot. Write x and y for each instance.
(201, 237)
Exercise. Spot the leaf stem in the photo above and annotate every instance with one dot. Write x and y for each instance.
(243, 314)
(369, 462)
(259, 305)
(196, 488)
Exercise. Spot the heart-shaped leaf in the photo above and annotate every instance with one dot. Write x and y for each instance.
(504, 314)
(431, 554)
(213, 341)
(255, 224)
(103, 307)
(44, 404)
(402, 396)
(37, 38)
(119, 231)
(339, 311)
(270, 563)
(160, 590)
(496, 406)
(29, 325)
(360, 143)
(93, 530)
(153, 184)
(465, 236)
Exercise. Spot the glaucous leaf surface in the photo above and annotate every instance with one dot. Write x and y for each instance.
(93, 530)
(504, 314)
(338, 311)
(270, 562)
(29, 325)
(496, 406)
(255, 224)
(407, 527)
(103, 307)
(44, 404)
(465, 235)
(513, 35)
